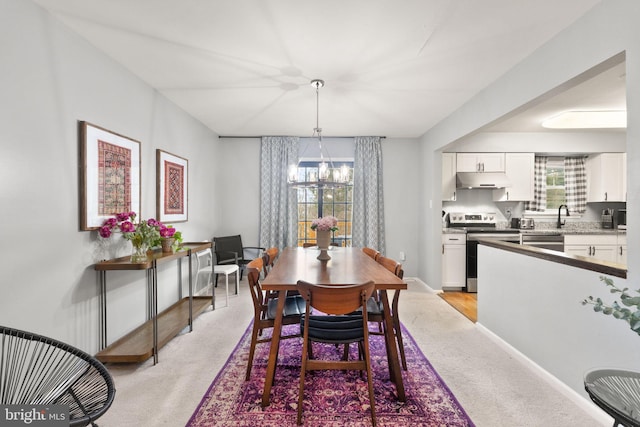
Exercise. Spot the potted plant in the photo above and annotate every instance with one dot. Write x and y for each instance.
(627, 310)
(144, 235)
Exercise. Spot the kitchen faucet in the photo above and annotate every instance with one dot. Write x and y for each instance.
(561, 223)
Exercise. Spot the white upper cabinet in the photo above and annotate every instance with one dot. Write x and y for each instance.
(480, 162)
(449, 176)
(519, 170)
(607, 177)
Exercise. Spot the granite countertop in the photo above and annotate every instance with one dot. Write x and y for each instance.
(563, 231)
(574, 231)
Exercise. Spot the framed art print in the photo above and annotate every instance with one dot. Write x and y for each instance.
(171, 187)
(109, 176)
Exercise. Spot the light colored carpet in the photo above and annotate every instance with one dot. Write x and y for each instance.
(494, 388)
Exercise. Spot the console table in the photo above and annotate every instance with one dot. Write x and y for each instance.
(160, 328)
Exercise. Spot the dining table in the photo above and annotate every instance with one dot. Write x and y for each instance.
(346, 266)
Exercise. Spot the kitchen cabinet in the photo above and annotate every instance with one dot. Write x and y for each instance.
(449, 176)
(519, 170)
(480, 162)
(454, 247)
(603, 247)
(606, 177)
(621, 250)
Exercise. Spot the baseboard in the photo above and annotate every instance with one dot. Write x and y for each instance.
(581, 401)
(421, 283)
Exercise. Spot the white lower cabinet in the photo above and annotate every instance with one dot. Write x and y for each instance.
(454, 252)
(603, 247)
(621, 250)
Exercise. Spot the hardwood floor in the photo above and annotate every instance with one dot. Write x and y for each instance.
(465, 302)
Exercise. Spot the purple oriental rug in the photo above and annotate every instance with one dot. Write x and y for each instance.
(332, 398)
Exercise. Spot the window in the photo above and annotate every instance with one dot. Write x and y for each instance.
(318, 202)
(555, 183)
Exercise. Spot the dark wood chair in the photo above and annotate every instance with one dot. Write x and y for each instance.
(376, 312)
(264, 310)
(269, 258)
(230, 250)
(371, 252)
(36, 370)
(338, 327)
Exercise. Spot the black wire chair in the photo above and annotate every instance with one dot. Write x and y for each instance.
(36, 370)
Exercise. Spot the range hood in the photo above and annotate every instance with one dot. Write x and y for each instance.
(489, 180)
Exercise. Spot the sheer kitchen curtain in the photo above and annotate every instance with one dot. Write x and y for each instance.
(278, 202)
(575, 183)
(539, 203)
(368, 200)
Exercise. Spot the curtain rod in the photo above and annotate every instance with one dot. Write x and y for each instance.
(253, 136)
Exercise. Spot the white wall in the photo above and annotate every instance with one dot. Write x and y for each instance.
(535, 306)
(606, 30)
(401, 204)
(49, 80)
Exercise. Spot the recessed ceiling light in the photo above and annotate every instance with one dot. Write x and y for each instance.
(587, 120)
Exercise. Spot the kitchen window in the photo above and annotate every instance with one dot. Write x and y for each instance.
(318, 202)
(558, 181)
(556, 194)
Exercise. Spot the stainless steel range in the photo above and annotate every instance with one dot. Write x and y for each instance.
(479, 225)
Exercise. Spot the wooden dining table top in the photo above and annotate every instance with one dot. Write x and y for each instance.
(346, 266)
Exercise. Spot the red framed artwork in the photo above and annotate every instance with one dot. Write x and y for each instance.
(172, 174)
(109, 177)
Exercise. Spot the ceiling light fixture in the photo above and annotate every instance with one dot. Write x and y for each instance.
(327, 175)
(613, 119)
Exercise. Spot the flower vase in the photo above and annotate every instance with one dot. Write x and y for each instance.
(167, 245)
(139, 253)
(323, 239)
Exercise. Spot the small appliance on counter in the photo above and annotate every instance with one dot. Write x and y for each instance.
(607, 218)
(515, 223)
(622, 219)
(527, 224)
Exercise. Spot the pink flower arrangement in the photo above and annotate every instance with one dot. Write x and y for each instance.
(327, 223)
(150, 232)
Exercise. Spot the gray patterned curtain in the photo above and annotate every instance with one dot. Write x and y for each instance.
(575, 183)
(368, 200)
(278, 202)
(539, 203)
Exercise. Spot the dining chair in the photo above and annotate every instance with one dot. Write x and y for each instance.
(371, 252)
(230, 250)
(338, 326)
(376, 309)
(270, 256)
(264, 310)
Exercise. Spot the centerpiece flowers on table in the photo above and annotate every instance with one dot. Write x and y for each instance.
(323, 227)
(327, 223)
(144, 235)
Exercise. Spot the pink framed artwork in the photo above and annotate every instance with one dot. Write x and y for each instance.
(109, 176)
(172, 174)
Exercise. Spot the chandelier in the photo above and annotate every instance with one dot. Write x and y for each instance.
(327, 176)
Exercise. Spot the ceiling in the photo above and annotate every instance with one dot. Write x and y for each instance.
(391, 68)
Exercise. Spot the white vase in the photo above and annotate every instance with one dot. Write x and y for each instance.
(323, 238)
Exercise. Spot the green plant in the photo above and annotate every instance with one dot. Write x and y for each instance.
(149, 232)
(177, 243)
(629, 311)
